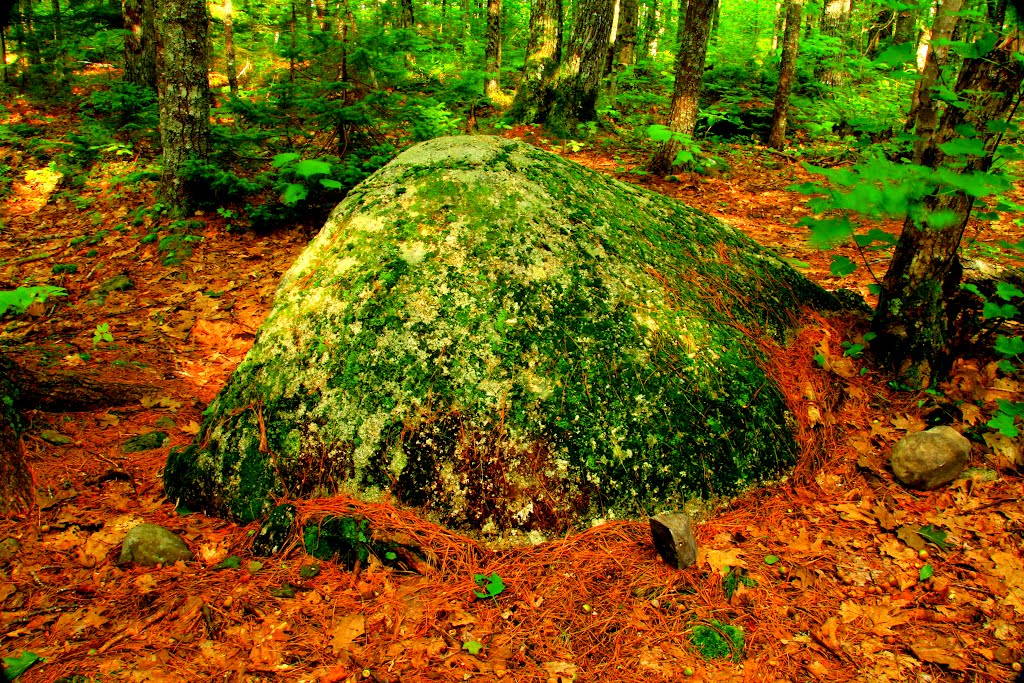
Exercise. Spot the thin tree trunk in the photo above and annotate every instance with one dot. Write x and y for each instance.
(406, 18)
(3, 52)
(229, 48)
(292, 44)
(912, 320)
(790, 49)
(140, 42)
(693, 48)
(492, 49)
(924, 111)
(716, 19)
(184, 95)
(543, 53)
(652, 25)
(780, 25)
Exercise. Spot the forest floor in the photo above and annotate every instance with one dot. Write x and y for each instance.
(825, 572)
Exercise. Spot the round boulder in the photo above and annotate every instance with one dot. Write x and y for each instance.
(930, 459)
(511, 343)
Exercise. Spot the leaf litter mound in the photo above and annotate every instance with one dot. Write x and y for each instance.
(823, 575)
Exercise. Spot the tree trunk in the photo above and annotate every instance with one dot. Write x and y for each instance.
(716, 19)
(543, 52)
(693, 48)
(229, 48)
(406, 18)
(652, 25)
(577, 81)
(625, 40)
(835, 23)
(184, 95)
(15, 476)
(924, 110)
(779, 26)
(911, 320)
(790, 48)
(140, 42)
(492, 50)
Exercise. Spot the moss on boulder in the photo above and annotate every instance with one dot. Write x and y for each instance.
(512, 343)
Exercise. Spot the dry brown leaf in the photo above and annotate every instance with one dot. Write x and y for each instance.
(722, 560)
(939, 651)
(908, 423)
(346, 630)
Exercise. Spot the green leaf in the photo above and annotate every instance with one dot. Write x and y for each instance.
(307, 168)
(1006, 291)
(473, 647)
(819, 358)
(229, 562)
(330, 184)
(1009, 346)
(926, 573)
(770, 559)
(993, 310)
(1004, 424)
(853, 350)
(933, 535)
(875, 235)
(1006, 366)
(293, 194)
(973, 289)
(284, 158)
(941, 219)
(875, 289)
(19, 665)
(964, 147)
(896, 55)
(659, 133)
(492, 585)
(827, 232)
(841, 266)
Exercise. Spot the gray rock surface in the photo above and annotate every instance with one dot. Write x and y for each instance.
(673, 539)
(930, 459)
(150, 545)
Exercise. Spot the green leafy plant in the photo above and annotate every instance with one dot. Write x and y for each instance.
(17, 301)
(491, 586)
(102, 334)
(690, 155)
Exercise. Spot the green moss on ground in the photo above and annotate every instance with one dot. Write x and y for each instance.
(513, 343)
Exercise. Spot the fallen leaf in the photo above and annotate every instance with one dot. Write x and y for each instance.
(346, 630)
(939, 651)
(722, 560)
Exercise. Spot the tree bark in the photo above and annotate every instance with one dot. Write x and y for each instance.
(576, 82)
(779, 25)
(835, 23)
(693, 48)
(912, 320)
(184, 95)
(790, 48)
(406, 17)
(229, 48)
(492, 50)
(140, 42)
(924, 111)
(652, 26)
(625, 40)
(543, 52)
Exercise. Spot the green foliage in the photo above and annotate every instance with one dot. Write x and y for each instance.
(17, 301)
(690, 155)
(491, 586)
(715, 640)
(102, 334)
(125, 107)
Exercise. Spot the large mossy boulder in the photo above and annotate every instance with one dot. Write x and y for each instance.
(509, 342)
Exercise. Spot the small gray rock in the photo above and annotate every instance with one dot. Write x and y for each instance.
(145, 442)
(150, 545)
(9, 549)
(673, 539)
(930, 459)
